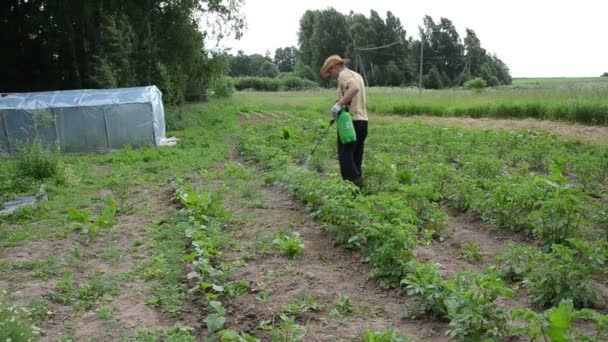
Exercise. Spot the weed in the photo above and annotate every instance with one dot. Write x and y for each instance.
(387, 335)
(289, 331)
(343, 306)
(40, 310)
(110, 255)
(105, 314)
(300, 305)
(234, 336)
(14, 322)
(289, 244)
(65, 291)
(471, 252)
(36, 161)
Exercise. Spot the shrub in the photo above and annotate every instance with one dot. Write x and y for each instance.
(257, 83)
(288, 82)
(476, 83)
(224, 87)
(297, 83)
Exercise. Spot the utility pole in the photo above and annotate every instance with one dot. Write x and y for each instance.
(466, 64)
(421, 59)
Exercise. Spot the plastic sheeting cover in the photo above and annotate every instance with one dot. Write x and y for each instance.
(84, 120)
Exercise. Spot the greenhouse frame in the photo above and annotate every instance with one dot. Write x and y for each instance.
(101, 120)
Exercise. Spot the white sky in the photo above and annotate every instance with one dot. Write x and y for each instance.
(535, 38)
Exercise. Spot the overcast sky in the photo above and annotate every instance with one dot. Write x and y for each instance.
(535, 38)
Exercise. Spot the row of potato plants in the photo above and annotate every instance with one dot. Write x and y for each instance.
(387, 227)
(402, 204)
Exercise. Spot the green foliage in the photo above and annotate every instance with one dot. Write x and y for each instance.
(300, 305)
(389, 248)
(425, 281)
(14, 322)
(36, 161)
(289, 331)
(387, 335)
(180, 333)
(566, 273)
(557, 324)
(471, 252)
(216, 320)
(39, 310)
(224, 87)
(476, 83)
(118, 45)
(65, 291)
(472, 308)
(234, 336)
(433, 80)
(343, 306)
(515, 264)
(269, 69)
(289, 244)
(273, 84)
(285, 58)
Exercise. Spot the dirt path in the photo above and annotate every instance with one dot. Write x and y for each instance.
(593, 134)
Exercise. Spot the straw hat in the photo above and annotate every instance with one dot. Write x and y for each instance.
(330, 62)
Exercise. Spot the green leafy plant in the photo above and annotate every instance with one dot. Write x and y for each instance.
(557, 324)
(343, 306)
(387, 335)
(515, 264)
(107, 218)
(65, 292)
(235, 336)
(300, 305)
(215, 321)
(425, 281)
(471, 252)
(289, 331)
(566, 273)
(289, 244)
(472, 308)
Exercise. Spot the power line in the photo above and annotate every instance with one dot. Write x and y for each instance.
(379, 47)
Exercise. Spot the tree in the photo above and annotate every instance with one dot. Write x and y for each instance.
(433, 79)
(247, 65)
(605, 74)
(380, 51)
(474, 54)
(322, 33)
(66, 44)
(285, 59)
(269, 69)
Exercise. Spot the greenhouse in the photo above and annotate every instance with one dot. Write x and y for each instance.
(83, 120)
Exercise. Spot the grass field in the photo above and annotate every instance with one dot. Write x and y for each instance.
(462, 231)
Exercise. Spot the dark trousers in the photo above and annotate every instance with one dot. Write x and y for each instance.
(351, 155)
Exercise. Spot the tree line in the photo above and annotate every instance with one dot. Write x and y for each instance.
(380, 50)
(71, 44)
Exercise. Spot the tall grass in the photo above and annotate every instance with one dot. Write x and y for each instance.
(585, 102)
